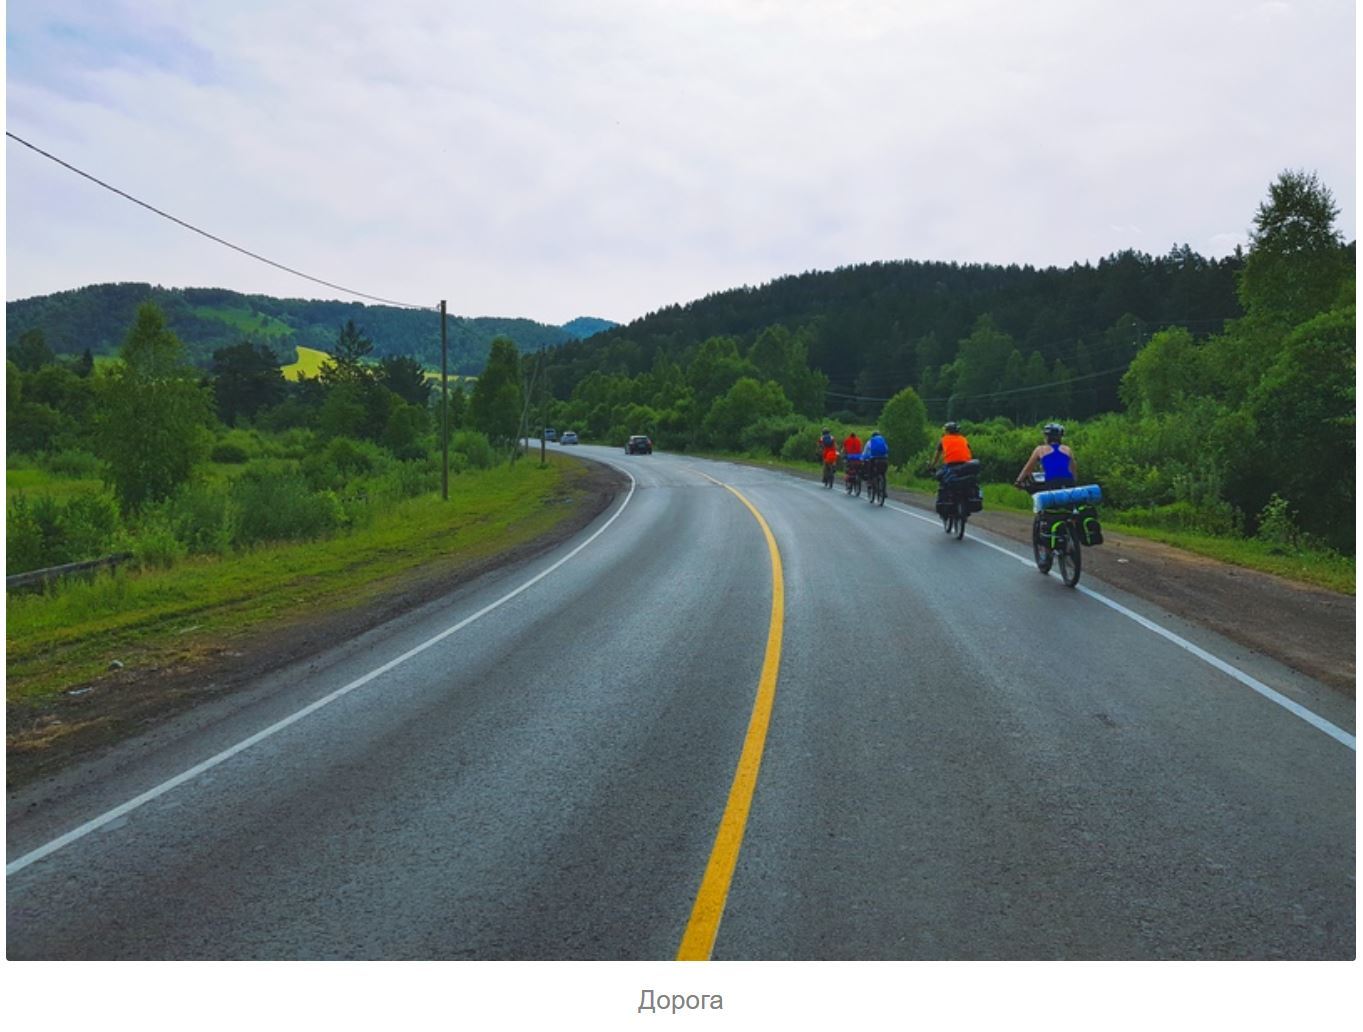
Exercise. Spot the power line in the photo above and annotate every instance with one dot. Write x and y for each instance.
(992, 394)
(210, 236)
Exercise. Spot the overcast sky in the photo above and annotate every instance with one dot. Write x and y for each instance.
(608, 157)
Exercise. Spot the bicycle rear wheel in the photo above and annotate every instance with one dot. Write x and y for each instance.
(1041, 553)
(960, 520)
(1069, 558)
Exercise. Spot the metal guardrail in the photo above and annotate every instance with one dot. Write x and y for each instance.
(41, 578)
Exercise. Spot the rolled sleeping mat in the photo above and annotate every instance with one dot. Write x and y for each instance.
(1090, 493)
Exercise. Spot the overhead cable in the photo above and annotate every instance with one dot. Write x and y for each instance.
(992, 394)
(216, 239)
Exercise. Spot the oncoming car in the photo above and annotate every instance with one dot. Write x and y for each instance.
(568, 437)
(639, 445)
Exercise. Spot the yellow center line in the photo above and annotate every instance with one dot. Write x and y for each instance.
(699, 940)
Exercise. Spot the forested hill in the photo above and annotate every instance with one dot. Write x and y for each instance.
(205, 319)
(873, 329)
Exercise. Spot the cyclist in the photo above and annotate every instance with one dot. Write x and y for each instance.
(875, 454)
(828, 452)
(1056, 460)
(953, 447)
(851, 450)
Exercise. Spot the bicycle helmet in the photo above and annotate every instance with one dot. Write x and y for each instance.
(952, 428)
(1053, 430)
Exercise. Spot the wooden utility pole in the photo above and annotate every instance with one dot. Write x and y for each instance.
(544, 416)
(444, 413)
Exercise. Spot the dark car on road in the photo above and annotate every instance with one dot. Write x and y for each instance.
(567, 437)
(639, 445)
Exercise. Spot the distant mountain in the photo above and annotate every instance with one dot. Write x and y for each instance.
(585, 326)
(97, 317)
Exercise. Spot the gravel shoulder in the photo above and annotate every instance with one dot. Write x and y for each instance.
(1307, 628)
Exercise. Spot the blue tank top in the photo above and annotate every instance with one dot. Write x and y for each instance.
(1056, 464)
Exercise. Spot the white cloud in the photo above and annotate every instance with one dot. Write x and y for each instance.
(553, 159)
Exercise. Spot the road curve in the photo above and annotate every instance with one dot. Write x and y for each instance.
(964, 760)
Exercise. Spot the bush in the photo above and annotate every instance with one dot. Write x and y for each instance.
(475, 448)
(79, 465)
(228, 452)
(155, 545)
(23, 537)
(342, 460)
(768, 436)
(407, 480)
(1218, 519)
(88, 524)
(200, 516)
(275, 504)
(803, 444)
(44, 532)
(904, 422)
(1278, 526)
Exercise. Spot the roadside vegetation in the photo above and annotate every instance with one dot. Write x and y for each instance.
(1232, 437)
(241, 497)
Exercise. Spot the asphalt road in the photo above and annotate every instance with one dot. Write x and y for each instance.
(963, 760)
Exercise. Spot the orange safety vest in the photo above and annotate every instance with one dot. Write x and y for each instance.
(955, 448)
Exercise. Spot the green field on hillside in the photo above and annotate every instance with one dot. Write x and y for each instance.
(250, 323)
(309, 364)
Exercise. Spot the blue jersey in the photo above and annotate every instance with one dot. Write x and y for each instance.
(1056, 464)
(875, 448)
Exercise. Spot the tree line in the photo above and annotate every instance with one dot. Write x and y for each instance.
(1052, 337)
(206, 319)
(155, 413)
(1212, 394)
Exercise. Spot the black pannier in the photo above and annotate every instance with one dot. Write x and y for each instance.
(960, 481)
(1090, 530)
(961, 470)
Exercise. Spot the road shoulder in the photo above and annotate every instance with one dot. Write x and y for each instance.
(47, 737)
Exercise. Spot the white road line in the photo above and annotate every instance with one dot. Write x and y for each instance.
(146, 797)
(1296, 709)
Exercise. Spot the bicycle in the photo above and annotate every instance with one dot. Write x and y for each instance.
(1056, 535)
(875, 481)
(959, 486)
(828, 475)
(852, 477)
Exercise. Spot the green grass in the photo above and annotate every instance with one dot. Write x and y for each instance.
(309, 364)
(157, 618)
(1322, 569)
(249, 322)
(35, 482)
